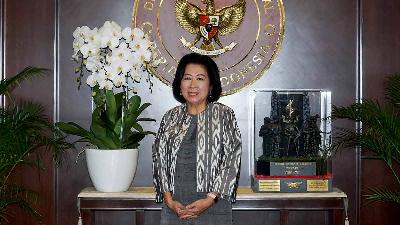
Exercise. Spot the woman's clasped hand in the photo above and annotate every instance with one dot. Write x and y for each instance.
(192, 210)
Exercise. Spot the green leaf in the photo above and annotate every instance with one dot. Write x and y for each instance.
(99, 143)
(392, 90)
(111, 107)
(134, 139)
(142, 108)
(133, 104)
(98, 131)
(116, 142)
(103, 133)
(119, 101)
(19, 196)
(97, 116)
(146, 119)
(131, 112)
(118, 127)
(137, 127)
(73, 129)
(99, 96)
(383, 195)
(29, 72)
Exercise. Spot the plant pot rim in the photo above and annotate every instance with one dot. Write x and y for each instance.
(127, 149)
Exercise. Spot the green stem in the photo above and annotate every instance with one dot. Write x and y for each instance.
(124, 109)
(20, 159)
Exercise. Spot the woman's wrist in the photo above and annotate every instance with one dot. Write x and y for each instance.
(168, 198)
(212, 196)
(209, 200)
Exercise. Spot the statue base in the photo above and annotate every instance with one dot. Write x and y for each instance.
(301, 184)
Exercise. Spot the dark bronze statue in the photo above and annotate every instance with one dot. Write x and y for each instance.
(290, 131)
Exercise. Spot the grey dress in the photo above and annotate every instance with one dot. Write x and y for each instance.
(185, 187)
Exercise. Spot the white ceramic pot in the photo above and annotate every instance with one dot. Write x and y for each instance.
(112, 170)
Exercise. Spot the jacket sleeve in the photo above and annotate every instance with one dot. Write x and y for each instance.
(227, 178)
(159, 162)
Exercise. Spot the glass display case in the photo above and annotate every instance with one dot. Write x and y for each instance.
(290, 149)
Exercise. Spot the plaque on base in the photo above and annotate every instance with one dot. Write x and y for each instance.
(292, 184)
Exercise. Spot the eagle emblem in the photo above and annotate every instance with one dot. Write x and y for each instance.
(209, 23)
(294, 185)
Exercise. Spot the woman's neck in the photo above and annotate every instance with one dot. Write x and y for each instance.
(194, 109)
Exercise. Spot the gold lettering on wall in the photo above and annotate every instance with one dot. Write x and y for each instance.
(257, 59)
(251, 66)
(267, 6)
(149, 5)
(235, 77)
(269, 29)
(265, 49)
(147, 27)
(172, 71)
(165, 66)
(224, 81)
(163, 60)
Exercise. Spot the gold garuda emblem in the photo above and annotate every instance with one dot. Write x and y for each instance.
(208, 23)
(246, 35)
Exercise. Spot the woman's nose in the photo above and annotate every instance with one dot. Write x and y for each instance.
(193, 83)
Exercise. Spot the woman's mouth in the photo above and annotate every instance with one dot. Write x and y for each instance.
(192, 93)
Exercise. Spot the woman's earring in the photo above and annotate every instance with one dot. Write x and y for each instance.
(180, 93)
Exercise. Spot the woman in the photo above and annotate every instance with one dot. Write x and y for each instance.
(196, 154)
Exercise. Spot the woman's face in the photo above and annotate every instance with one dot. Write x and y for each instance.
(195, 85)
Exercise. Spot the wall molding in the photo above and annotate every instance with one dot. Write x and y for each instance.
(56, 98)
(359, 96)
(2, 47)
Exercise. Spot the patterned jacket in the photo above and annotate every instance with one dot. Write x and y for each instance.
(218, 150)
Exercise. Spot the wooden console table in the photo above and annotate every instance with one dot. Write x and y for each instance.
(140, 199)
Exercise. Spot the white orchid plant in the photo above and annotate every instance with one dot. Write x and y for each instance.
(112, 55)
(116, 59)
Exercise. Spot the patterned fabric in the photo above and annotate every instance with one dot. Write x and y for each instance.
(185, 187)
(218, 150)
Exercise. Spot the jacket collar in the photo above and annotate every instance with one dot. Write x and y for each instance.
(186, 113)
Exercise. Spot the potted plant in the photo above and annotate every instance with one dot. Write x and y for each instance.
(117, 59)
(380, 133)
(25, 130)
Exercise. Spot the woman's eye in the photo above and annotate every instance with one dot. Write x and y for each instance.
(187, 78)
(200, 78)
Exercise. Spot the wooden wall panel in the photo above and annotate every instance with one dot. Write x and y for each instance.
(319, 52)
(381, 57)
(2, 69)
(28, 36)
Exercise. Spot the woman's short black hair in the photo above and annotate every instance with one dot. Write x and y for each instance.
(212, 70)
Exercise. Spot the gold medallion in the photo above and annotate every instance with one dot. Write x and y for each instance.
(243, 36)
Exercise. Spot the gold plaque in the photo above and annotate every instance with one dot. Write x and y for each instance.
(243, 36)
(317, 185)
(269, 185)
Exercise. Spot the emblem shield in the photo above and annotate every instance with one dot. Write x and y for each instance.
(208, 26)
